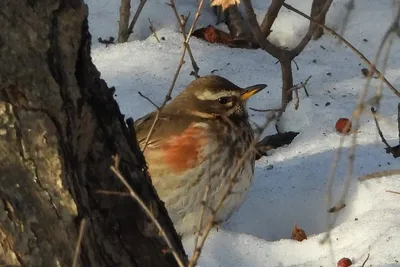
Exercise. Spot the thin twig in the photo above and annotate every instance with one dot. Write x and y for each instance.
(311, 29)
(148, 99)
(379, 174)
(365, 261)
(182, 25)
(265, 110)
(389, 148)
(300, 85)
(143, 205)
(151, 27)
(78, 244)
(328, 196)
(203, 205)
(295, 89)
(355, 50)
(196, 18)
(136, 16)
(297, 104)
(398, 119)
(181, 62)
(393, 192)
(113, 193)
(295, 63)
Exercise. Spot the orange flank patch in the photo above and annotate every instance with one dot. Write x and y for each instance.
(183, 152)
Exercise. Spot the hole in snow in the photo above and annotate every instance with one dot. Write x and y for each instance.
(293, 192)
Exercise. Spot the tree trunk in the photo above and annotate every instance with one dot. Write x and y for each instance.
(124, 14)
(287, 81)
(59, 128)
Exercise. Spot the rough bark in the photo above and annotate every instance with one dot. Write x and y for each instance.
(59, 127)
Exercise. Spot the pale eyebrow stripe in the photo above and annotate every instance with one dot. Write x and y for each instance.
(207, 95)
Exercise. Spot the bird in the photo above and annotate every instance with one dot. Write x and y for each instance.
(195, 147)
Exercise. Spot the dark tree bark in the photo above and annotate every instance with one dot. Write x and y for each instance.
(59, 128)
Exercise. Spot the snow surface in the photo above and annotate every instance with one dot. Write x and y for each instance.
(293, 190)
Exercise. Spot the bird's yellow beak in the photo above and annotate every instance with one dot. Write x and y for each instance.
(251, 90)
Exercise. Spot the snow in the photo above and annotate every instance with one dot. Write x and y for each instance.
(293, 191)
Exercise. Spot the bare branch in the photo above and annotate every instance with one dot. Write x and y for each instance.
(398, 120)
(125, 9)
(393, 192)
(328, 196)
(167, 98)
(365, 261)
(379, 175)
(203, 205)
(265, 110)
(124, 14)
(296, 90)
(182, 24)
(301, 85)
(270, 17)
(135, 17)
(388, 147)
(311, 29)
(355, 50)
(153, 30)
(113, 193)
(272, 49)
(181, 62)
(148, 99)
(317, 8)
(78, 244)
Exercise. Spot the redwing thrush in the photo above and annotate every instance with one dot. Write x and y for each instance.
(198, 140)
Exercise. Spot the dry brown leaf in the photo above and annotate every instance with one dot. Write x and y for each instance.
(214, 35)
(298, 234)
(224, 3)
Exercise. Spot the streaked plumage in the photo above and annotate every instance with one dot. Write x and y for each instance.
(198, 140)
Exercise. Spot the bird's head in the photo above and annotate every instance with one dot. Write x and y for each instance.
(213, 96)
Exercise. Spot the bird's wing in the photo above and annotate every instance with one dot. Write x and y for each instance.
(176, 143)
(167, 126)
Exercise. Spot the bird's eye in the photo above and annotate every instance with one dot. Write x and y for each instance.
(223, 100)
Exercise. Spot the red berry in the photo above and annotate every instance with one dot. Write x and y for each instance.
(344, 262)
(343, 126)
